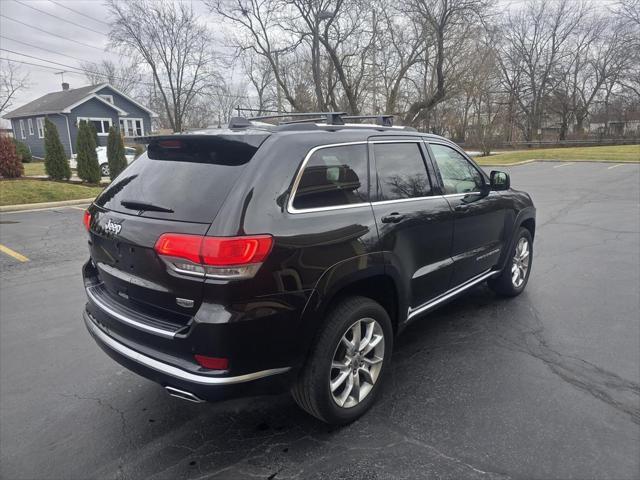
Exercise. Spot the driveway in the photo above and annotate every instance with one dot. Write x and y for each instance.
(546, 385)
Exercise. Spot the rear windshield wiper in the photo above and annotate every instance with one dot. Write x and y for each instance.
(144, 206)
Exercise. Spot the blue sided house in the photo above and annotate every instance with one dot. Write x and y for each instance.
(101, 105)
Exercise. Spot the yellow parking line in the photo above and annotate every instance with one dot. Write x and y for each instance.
(12, 253)
(563, 165)
(615, 166)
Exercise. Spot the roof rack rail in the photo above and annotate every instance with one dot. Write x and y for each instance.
(304, 120)
(328, 118)
(331, 118)
(239, 122)
(382, 120)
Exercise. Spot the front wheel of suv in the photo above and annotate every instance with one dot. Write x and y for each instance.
(347, 364)
(515, 275)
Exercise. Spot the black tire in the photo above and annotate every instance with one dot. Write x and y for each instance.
(504, 284)
(311, 390)
(104, 169)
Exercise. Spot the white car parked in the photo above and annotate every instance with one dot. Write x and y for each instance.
(129, 153)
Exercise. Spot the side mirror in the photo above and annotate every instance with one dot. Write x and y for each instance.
(500, 180)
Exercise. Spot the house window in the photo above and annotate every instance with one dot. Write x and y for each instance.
(30, 123)
(40, 126)
(22, 135)
(102, 124)
(131, 127)
(108, 98)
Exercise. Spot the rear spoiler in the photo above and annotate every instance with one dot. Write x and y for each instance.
(253, 138)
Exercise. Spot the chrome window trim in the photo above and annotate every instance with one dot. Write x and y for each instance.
(296, 182)
(403, 200)
(453, 195)
(417, 140)
(140, 326)
(170, 369)
(412, 312)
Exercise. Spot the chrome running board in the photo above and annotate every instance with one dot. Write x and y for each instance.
(450, 294)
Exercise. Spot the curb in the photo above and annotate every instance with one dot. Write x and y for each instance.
(551, 160)
(45, 205)
(513, 164)
(74, 181)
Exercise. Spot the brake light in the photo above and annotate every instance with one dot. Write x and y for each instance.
(212, 363)
(235, 250)
(170, 143)
(87, 220)
(217, 257)
(182, 246)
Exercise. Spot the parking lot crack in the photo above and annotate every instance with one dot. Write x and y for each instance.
(109, 406)
(619, 393)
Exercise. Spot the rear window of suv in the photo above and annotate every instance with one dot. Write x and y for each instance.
(184, 179)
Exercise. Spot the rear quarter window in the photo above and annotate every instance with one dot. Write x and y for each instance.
(332, 177)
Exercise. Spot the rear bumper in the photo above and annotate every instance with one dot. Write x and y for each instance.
(205, 386)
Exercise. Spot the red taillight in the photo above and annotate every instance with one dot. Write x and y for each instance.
(87, 220)
(212, 363)
(220, 257)
(181, 246)
(225, 251)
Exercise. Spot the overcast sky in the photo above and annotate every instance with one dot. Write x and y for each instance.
(45, 29)
(41, 21)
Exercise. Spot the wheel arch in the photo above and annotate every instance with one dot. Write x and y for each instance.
(350, 277)
(526, 218)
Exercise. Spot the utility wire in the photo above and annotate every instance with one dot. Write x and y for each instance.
(50, 33)
(45, 49)
(79, 71)
(59, 18)
(42, 59)
(80, 13)
(32, 64)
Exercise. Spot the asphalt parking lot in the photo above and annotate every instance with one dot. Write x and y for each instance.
(546, 385)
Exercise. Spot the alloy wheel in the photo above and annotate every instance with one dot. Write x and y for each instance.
(357, 363)
(104, 169)
(520, 264)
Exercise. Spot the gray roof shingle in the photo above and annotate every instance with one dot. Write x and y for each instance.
(54, 102)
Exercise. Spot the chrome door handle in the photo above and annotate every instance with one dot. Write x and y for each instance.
(394, 217)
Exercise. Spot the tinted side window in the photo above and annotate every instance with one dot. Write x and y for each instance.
(401, 171)
(458, 175)
(333, 176)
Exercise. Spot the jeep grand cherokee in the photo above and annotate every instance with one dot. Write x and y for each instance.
(261, 258)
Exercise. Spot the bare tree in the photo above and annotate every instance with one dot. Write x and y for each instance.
(534, 43)
(12, 80)
(175, 45)
(627, 14)
(124, 76)
(402, 47)
(260, 75)
(449, 26)
(442, 65)
(629, 10)
(261, 31)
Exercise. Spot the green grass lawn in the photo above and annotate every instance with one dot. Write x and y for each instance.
(13, 192)
(34, 168)
(615, 153)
